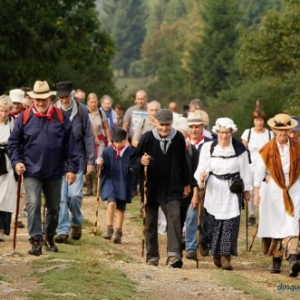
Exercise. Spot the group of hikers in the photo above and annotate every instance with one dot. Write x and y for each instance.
(199, 176)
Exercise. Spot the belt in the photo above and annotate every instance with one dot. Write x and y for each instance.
(226, 176)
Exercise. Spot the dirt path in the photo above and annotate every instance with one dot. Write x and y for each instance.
(249, 280)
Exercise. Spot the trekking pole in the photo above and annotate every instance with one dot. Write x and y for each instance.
(253, 238)
(201, 195)
(43, 215)
(247, 226)
(17, 211)
(98, 198)
(144, 211)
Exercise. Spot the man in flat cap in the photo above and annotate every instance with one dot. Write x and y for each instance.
(162, 151)
(71, 195)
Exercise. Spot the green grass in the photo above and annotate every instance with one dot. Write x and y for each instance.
(5, 279)
(85, 272)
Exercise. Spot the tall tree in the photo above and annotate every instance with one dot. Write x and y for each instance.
(51, 40)
(212, 60)
(127, 25)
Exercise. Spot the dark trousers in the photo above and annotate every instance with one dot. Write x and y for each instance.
(173, 229)
(5, 220)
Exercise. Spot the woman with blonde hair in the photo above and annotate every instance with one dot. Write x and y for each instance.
(7, 180)
(106, 107)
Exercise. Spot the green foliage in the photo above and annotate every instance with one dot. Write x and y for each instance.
(212, 60)
(273, 50)
(125, 20)
(52, 40)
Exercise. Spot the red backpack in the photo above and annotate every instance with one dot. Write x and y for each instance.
(27, 111)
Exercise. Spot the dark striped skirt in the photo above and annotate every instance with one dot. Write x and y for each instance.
(224, 236)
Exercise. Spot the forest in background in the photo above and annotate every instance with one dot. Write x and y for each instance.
(228, 53)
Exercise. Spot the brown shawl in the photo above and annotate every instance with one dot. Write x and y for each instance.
(271, 157)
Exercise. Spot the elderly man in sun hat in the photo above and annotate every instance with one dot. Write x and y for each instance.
(279, 165)
(42, 148)
(71, 196)
(163, 151)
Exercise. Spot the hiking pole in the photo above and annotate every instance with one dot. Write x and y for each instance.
(43, 214)
(17, 211)
(253, 238)
(144, 211)
(247, 225)
(98, 198)
(201, 195)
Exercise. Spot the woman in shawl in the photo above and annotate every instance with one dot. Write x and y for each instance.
(106, 107)
(279, 165)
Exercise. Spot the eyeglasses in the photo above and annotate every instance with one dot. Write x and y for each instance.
(224, 132)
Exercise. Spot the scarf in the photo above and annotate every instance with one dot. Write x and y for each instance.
(109, 117)
(73, 108)
(197, 142)
(120, 151)
(47, 115)
(271, 157)
(164, 142)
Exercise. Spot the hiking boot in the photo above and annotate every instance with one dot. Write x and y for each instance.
(118, 237)
(276, 265)
(294, 265)
(204, 250)
(108, 233)
(48, 244)
(36, 246)
(62, 238)
(1, 235)
(217, 261)
(20, 224)
(251, 221)
(225, 262)
(174, 262)
(76, 233)
(191, 255)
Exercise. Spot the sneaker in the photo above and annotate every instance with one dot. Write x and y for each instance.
(108, 233)
(251, 221)
(174, 262)
(118, 237)
(62, 238)
(49, 245)
(76, 233)
(36, 246)
(204, 250)
(191, 255)
(20, 224)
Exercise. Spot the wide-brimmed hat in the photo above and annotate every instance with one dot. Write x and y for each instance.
(282, 121)
(40, 90)
(195, 118)
(17, 96)
(64, 88)
(226, 123)
(164, 116)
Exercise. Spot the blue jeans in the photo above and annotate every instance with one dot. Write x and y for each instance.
(71, 199)
(191, 229)
(52, 191)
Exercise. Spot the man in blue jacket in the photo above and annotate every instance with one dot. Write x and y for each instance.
(71, 196)
(42, 148)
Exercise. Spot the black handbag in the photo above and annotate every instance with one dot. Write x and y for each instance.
(236, 185)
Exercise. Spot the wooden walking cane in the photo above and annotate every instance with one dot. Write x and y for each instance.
(17, 211)
(98, 198)
(201, 195)
(247, 226)
(253, 238)
(144, 211)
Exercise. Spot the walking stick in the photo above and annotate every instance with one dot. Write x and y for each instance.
(17, 211)
(43, 215)
(247, 226)
(201, 194)
(144, 211)
(253, 238)
(98, 198)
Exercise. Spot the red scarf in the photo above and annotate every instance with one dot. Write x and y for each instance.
(198, 141)
(118, 154)
(47, 115)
